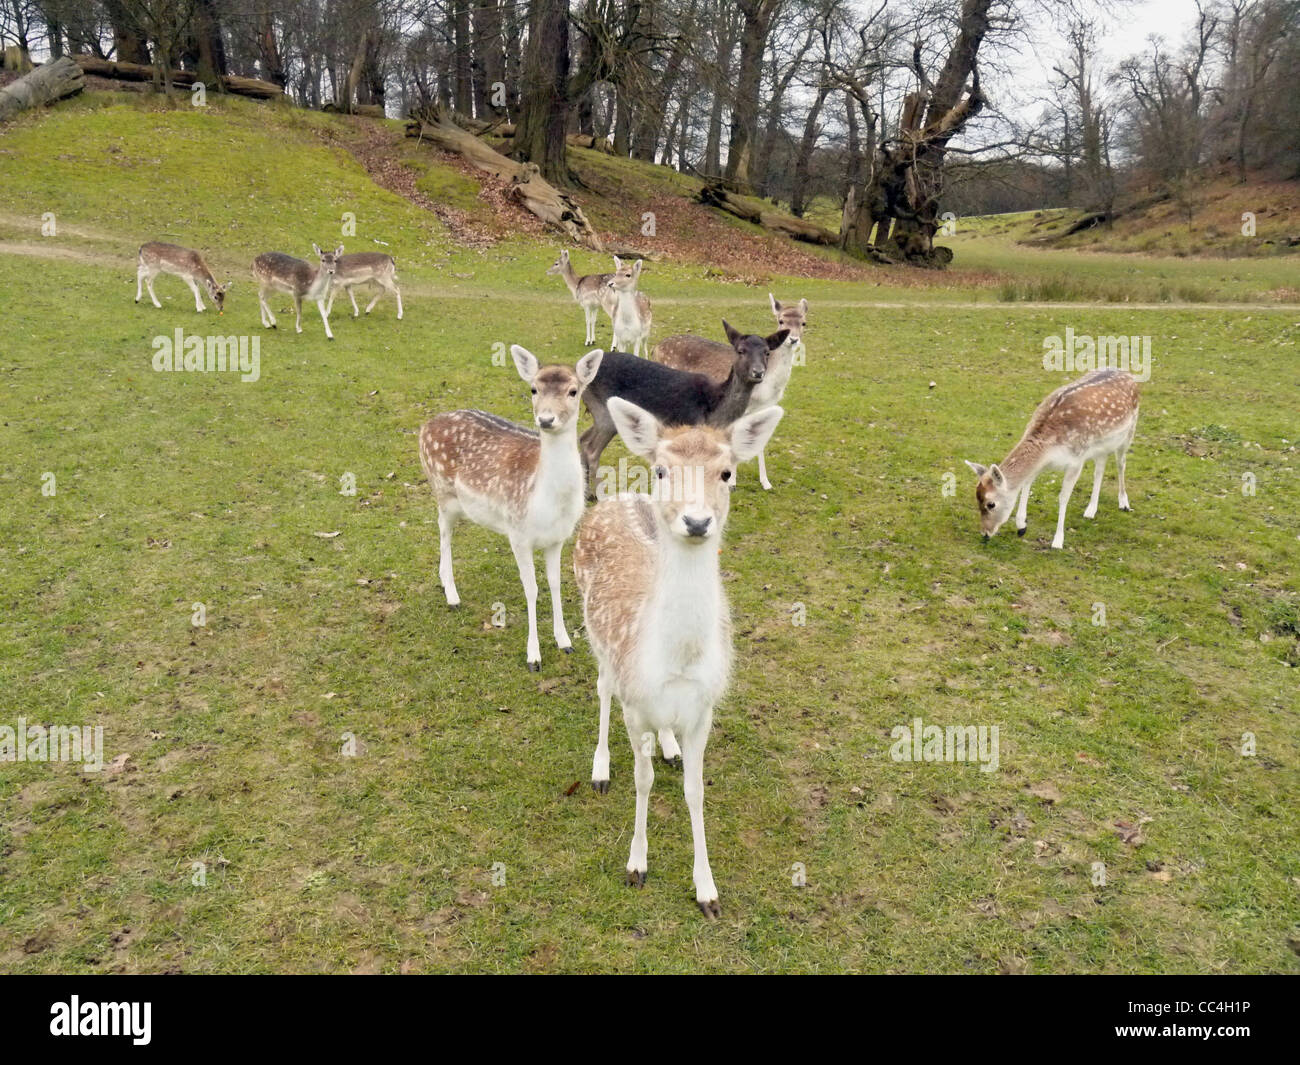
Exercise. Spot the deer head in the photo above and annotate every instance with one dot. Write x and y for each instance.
(993, 495)
(329, 260)
(625, 275)
(752, 351)
(559, 264)
(557, 390)
(693, 467)
(790, 317)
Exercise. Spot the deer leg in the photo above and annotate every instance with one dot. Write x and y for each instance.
(762, 469)
(268, 318)
(139, 282)
(371, 305)
(448, 515)
(1121, 460)
(593, 442)
(643, 771)
(668, 747)
(397, 293)
(325, 317)
(600, 760)
(706, 892)
(1098, 468)
(528, 578)
(589, 314)
(198, 299)
(297, 313)
(148, 280)
(552, 556)
(1023, 509)
(1067, 487)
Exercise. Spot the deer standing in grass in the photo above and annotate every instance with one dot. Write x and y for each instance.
(656, 614)
(156, 258)
(276, 272)
(674, 396)
(361, 268)
(1090, 418)
(630, 312)
(525, 484)
(713, 359)
(590, 292)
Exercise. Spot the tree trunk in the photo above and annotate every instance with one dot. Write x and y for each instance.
(129, 42)
(543, 119)
(804, 158)
(744, 115)
(464, 51)
(44, 85)
(208, 44)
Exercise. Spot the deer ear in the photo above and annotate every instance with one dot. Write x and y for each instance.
(636, 270)
(777, 339)
(803, 307)
(996, 473)
(638, 428)
(618, 263)
(750, 434)
(975, 468)
(588, 366)
(525, 362)
(338, 250)
(732, 335)
(315, 249)
(776, 305)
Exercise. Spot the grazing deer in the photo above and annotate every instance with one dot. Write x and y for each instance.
(675, 397)
(1090, 418)
(713, 359)
(629, 310)
(591, 292)
(276, 272)
(525, 484)
(656, 615)
(361, 268)
(157, 258)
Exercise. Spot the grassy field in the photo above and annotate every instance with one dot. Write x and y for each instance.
(462, 835)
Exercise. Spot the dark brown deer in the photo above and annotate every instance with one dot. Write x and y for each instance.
(674, 397)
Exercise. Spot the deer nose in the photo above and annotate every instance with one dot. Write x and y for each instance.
(696, 526)
(546, 420)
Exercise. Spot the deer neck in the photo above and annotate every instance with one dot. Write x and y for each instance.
(570, 278)
(686, 611)
(320, 284)
(559, 466)
(733, 398)
(1025, 460)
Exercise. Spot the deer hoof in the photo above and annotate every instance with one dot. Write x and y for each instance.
(674, 762)
(710, 909)
(600, 787)
(635, 878)
(1021, 532)
(534, 667)
(568, 650)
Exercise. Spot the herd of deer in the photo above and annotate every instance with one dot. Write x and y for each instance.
(647, 566)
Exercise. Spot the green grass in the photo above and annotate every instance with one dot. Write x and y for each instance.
(175, 489)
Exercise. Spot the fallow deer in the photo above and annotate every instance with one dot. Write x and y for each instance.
(276, 272)
(156, 258)
(522, 483)
(630, 312)
(361, 268)
(656, 614)
(675, 397)
(1090, 418)
(714, 359)
(590, 292)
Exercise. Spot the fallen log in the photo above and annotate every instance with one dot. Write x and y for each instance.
(44, 85)
(185, 79)
(527, 185)
(714, 194)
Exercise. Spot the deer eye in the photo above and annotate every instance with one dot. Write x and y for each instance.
(534, 391)
(573, 392)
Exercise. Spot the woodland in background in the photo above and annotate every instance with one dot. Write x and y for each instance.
(897, 111)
